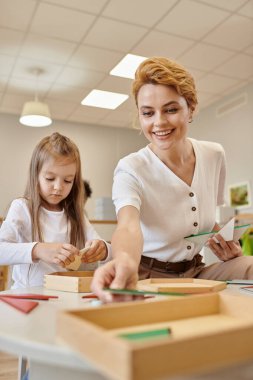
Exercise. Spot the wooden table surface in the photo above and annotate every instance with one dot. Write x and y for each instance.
(33, 336)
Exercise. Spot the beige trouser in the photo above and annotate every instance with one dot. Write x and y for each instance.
(237, 268)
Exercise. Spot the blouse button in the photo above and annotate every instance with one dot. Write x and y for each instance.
(189, 247)
(194, 209)
(191, 194)
(195, 224)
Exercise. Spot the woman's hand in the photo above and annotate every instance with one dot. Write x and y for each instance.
(97, 251)
(224, 250)
(127, 247)
(118, 273)
(57, 253)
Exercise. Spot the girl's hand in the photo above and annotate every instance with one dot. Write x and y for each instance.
(97, 251)
(57, 253)
(224, 250)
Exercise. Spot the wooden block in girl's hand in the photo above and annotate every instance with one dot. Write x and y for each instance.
(75, 264)
(78, 260)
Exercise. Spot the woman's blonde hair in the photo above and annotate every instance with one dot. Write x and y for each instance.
(160, 70)
(57, 146)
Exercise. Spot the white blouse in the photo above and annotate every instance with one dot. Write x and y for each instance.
(170, 209)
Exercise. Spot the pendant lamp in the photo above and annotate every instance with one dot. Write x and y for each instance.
(36, 113)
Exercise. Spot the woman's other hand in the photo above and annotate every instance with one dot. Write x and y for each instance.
(224, 250)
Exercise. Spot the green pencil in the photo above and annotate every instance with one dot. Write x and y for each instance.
(146, 334)
(135, 292)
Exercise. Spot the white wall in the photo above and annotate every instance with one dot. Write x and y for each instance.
(234, 131)
(100, 149)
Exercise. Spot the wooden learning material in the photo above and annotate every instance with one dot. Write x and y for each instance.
(75, 265)
(228, 232)
(240, 282)
(28, 296)
(208, 331)
(77, 282)
(22, 305)
(181, 285)
(141, 293)
(146, 334)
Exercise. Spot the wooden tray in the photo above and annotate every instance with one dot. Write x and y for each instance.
(72, 281)
(181, 285)
(208, 331)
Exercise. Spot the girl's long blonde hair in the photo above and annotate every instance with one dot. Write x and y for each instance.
(57, 146)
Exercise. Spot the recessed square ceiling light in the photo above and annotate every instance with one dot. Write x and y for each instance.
(104, 99)
(127, 66)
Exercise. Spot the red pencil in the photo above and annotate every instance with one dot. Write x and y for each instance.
(30, 296)
(90, 296)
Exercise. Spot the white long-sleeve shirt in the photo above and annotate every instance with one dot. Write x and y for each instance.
(169, 208)
(16, 242)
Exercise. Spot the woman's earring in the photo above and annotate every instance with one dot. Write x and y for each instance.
(191, 120)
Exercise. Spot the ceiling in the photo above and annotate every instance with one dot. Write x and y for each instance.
(76, 43)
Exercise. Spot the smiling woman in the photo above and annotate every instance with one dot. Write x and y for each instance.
(45, 230)
(164, 116)
(168, 190)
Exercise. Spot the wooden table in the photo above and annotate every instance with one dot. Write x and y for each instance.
(33, 336)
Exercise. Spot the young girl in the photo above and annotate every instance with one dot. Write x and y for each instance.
(44, 230)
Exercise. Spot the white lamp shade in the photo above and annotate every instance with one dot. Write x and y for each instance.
(35, 114)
